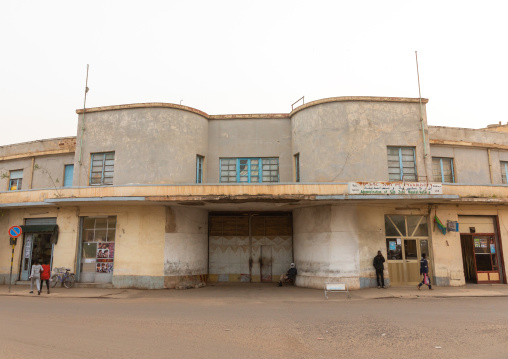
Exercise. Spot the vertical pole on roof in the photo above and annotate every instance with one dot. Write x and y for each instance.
(421, 115)
(83, 122)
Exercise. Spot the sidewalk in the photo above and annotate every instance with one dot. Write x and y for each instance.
(261, 291)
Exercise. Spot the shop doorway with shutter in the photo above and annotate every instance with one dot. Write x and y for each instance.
(249, 247)
(481, 257)
(40, 236)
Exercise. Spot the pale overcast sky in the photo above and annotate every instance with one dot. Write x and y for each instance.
(247, 57)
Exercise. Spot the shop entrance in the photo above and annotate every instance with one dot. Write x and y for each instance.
(40, 236)
(249, 247)
(406, 241)
(481, 257)
(97, 249)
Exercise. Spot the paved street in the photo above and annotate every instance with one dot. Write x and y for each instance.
(251, 321)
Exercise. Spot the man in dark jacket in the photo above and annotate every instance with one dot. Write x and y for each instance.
(289, 275)
(424, 269)
(379, 266)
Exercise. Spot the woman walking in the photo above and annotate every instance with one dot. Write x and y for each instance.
(45, 275)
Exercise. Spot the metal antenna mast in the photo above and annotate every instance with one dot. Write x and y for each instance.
(420, 95)
(83, 122)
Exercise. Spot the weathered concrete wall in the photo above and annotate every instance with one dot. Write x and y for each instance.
(6, 167)
(151, 145)
(326, 246)
(48, 171)
(249, 138)
(38, 148)
(468, 135)
(347, 141)
(185, 247)
(139, 244)
(470, 165)
(370, 229)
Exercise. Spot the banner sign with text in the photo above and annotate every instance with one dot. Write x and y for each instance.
(396, 188)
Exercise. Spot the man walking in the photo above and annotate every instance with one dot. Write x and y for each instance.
(380, 267)
(36, 277)
(424, 269)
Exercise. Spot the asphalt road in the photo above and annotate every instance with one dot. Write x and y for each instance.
(184, 325)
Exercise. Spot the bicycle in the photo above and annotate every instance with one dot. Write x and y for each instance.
(67, 279)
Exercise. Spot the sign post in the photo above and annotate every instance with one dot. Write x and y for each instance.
(14, 233)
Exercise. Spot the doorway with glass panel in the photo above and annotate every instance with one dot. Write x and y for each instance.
(407, 238)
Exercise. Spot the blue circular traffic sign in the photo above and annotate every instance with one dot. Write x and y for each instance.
(15, 231)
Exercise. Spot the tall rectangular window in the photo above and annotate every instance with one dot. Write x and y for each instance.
(199, 168)
(15, 180)
(442, 170)
(401, 164)
(68, 175)
(249, 170)
(102, 169)
(504, 171)
(297, 167)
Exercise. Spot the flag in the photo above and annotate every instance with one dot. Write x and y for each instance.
(440, 225)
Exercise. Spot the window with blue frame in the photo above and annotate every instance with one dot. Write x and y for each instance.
(402, 164)
(504, 171)
(442, 170)
(249, 170)
(199, 168)
(297, 167)
(15, 180)
(102, 169)
(68, 175)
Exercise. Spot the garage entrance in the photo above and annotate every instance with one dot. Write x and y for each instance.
(249, 247)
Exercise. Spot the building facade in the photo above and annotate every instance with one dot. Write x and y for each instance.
(166, 196)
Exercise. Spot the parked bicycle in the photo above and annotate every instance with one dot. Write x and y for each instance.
(66, 278)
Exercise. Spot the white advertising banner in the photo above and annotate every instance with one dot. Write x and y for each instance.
(395, 188)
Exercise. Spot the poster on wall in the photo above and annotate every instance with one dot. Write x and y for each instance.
(105, 255)
(104, 267)
(492, 248)
(477, 242)
(102, 253)
(392, 245)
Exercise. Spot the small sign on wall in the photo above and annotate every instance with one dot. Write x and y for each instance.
(452, 226)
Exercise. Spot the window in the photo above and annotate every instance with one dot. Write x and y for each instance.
(442, 170)
(504, 171)
(199, 168)
(401, 164)
(249, 170)
(297, 167)
(15, 180)
(102, 169)
(68, 175)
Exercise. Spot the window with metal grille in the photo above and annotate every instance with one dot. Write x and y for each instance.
(102, 169)
(15, 180)
(442, 170)
(401, 164)
(504, 171)
(199, 168)
(249, 170)
(297, 167)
